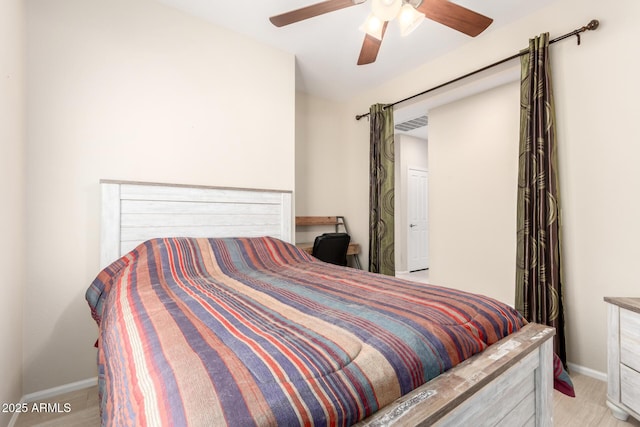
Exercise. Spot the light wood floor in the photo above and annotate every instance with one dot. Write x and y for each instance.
(588, 409)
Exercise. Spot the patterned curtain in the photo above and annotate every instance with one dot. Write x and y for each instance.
(538, 277)
(381, 191)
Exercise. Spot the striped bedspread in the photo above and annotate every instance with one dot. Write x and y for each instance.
(253, 331)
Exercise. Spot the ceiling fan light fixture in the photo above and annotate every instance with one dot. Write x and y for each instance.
(409, 19)
(373, 26)
(386, 10)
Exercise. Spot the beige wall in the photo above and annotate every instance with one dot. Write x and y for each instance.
(595, 84)
(411, 152)
(321, 154)
(12, 142)
(331, 168)
(323, 163)
(472, 192)
(133, 90)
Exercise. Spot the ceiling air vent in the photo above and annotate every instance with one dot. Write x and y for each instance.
(412, 124)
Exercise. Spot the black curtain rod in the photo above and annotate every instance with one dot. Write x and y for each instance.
(589, 27)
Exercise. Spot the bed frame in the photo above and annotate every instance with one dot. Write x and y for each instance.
(508, 384)
(133, 212)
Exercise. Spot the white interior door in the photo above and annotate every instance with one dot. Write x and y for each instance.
(418, 232)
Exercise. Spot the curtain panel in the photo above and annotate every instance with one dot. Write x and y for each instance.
(381, 191)
(539, 294)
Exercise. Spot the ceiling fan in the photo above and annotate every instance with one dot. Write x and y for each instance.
(410, 13)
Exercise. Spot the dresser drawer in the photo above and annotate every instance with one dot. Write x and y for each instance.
(630, 338)
(630, 388)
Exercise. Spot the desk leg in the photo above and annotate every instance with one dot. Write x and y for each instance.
(356, 261)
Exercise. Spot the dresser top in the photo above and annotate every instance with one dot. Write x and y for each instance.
(632, 304)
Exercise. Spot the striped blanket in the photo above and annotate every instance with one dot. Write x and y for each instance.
(253, 331)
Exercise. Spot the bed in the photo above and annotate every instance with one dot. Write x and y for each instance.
(232, 325)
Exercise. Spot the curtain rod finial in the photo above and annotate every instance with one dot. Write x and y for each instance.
(594, 24)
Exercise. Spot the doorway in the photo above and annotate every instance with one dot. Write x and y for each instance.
(417, 219)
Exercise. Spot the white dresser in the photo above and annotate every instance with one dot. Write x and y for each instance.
(623, 351)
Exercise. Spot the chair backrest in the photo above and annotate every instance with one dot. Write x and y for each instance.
(332, 248)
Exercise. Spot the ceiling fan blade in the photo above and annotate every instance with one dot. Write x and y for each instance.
(455, 16)
(310, 12)
(370, 47)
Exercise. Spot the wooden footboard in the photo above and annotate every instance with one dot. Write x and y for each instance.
(508, 384)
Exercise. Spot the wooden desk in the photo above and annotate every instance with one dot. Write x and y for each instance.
(353, 250)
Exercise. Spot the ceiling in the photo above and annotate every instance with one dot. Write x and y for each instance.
(327, 47)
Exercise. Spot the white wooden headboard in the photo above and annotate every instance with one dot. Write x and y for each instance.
(133, 212)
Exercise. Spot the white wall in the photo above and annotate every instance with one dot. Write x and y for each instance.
(132, 90)
(595, 84)
(12, 142)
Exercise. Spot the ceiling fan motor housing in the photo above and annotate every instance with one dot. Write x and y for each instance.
(386, 10)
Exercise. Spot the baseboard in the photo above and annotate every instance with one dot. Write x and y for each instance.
(56, 391)
(14, 419)
(602, 376)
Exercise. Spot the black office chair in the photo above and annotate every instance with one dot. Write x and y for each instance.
(332, 248)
